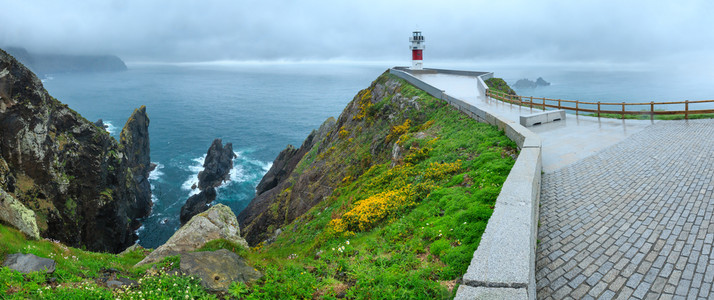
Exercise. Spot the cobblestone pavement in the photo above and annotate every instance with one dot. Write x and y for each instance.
(633, 221)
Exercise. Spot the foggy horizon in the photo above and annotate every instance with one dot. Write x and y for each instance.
(587, 33)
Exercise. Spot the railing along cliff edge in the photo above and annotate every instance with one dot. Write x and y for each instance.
(503, 266)
(576, 106)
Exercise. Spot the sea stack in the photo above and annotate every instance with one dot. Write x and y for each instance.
(216, 170)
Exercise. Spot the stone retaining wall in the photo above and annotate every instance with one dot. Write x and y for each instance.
(503, 266)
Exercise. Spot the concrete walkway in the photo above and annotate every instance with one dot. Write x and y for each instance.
(564, 142)
(626, 206)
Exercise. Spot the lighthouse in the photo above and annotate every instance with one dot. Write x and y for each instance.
(417, 46)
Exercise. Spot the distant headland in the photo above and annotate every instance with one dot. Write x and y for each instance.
(62, 63)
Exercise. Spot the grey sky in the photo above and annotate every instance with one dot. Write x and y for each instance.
(551, 31)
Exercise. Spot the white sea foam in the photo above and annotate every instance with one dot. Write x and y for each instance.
(244, 169)
(110, 127)
(195, 167)
(156, 173)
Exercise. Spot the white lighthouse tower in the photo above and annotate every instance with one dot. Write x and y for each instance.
(417, 46)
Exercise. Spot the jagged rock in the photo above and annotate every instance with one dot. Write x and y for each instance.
(541, 82)
(26, 263)
(218, 222)
(134, 140)
(86, 189)
(218, 269)
(17, 215)
(288, 159)
(217, 166)
(100, 124)
(197, 204)
(275, 181)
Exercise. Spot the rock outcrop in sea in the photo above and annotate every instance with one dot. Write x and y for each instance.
(85, 188)
(526, 83)
(216, 170)
(217, 166)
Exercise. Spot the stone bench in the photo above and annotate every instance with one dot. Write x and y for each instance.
(543, 117)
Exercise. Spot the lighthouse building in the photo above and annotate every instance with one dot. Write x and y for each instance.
(417, 47)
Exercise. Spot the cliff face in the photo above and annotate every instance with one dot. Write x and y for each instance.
(336, 154)
(86, 189)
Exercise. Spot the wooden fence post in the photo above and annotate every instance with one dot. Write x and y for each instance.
(651, 110)
(531, 103)
(543, 103)
(598, 109)
(686, 109)
(558, 103)
(623, 110)
(576, 107)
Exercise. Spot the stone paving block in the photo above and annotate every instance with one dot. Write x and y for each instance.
(647, 227)
(466, 292)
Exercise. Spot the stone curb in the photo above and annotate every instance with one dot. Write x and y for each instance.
(503, 266)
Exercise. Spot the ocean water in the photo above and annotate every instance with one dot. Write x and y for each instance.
(261, 108)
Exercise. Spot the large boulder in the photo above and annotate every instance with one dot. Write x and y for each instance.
(218, 222)
(26, 263)
(197, 204)
(17, 215)
(218, 269)
(217, 166)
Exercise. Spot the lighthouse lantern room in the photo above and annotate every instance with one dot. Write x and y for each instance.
(417, 46)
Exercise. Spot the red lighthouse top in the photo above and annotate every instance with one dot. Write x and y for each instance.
(417, 47)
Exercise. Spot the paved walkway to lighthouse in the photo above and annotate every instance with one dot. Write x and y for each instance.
(626, 206)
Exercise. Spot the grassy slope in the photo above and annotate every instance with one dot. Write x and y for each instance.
(407, 231)
(448, 181)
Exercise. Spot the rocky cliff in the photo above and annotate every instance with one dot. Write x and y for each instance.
(85, 188)
(340, 151)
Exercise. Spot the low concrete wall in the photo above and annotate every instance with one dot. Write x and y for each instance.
(543, 117)
(503, 266)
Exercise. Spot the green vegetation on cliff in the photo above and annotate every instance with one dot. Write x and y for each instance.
(417, 181)
(400, 189)
(500, 85)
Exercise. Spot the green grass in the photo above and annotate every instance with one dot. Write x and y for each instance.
(448, 178)
(416, 251)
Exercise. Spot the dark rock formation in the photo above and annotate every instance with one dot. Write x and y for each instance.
(286, 161)
(217, 166)
(58, 63)
(86, 189)
(217, 269)
(541, 82)
(100, 124)
(197, 204)
(529, 84)
(216, 169)
(26, 263)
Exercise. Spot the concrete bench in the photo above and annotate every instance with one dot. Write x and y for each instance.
(543, 117)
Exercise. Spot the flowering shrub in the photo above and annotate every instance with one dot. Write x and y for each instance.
(399, 130)
(365, 102)
(343, 133)
(378, 207)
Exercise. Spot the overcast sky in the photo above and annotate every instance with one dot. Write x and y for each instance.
(618, 32)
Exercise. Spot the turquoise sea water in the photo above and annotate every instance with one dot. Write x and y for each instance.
(261, 108)
(258, 108)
